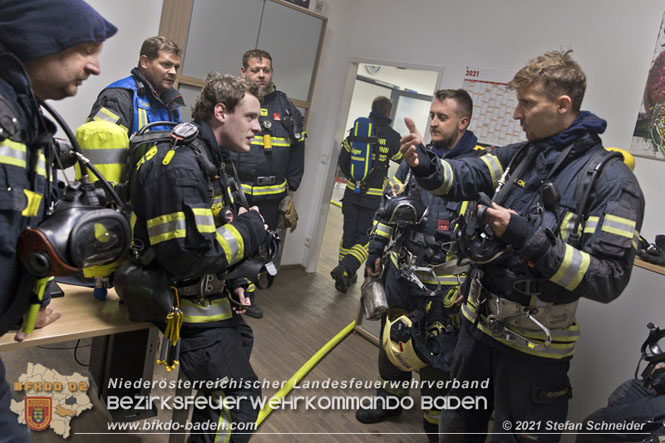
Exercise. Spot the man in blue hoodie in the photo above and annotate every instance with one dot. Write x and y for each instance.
(544, 242)
(48, 48)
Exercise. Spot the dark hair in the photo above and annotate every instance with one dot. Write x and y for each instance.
(461, 97)
(382, 105)
(152, 45)
(559, 75)
(255, 53)
(227, 89)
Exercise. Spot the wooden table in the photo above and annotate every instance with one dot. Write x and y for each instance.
(83, 316)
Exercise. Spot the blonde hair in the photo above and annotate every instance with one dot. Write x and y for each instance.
(558, 73)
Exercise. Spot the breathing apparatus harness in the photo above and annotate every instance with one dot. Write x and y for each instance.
(87, 229)
(478, 244)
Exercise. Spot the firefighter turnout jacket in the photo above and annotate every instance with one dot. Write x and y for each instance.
(421, 244)
(188, 217)
(24, 137)
(130, 103)
(368, 193)
(276, 160)
(545, 269)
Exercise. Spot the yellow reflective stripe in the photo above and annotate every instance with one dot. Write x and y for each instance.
(40, 167)
(251, 287)
(224, 422)
(572, 269)
(231, 242)
(275, 141)
(219, 309)
(166, 227)
(494, 166)
(346, 145)
(432, 416)
(264, 190)
(397, 157)
(102, 270)
(567, 225)
(383, 230)
(359, 252)
(143, 118)
(13, 153)
(591, 224)
(636, 239)
(205, 222)
(447, 179)
(32, 206)
(623, 227)
(443, 279)
(107, 115)
(554, 350)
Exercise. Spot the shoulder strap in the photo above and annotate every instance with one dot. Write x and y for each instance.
(585, 188)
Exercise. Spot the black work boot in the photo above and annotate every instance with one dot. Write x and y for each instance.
(341, 277)
(369, 416)
(254, 311)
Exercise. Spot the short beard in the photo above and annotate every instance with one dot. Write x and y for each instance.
(446, 143)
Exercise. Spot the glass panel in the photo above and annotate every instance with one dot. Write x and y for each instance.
(292, 39)
(220, 31)
(415, 108)
(189, 94)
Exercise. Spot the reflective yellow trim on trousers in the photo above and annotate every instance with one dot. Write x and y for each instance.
(32, 205)
(572, 269)
(13, 153)
(231, 242)
(432, 416)
(554, 351)
(224, 422)
(220, 309)
(256, 190)
(166, 227)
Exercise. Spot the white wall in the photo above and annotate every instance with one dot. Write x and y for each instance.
(612, 40)
(136, 20)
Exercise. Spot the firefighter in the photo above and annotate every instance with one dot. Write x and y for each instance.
(127, 105)
(362, 197)
(191, 226)
(538, 250)
(47, 65)
(272, 169)
(416, 281)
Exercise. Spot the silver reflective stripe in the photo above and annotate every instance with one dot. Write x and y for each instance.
(13, 153)
(106, 156)
(232, 244)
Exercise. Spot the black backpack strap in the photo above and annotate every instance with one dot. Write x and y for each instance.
(585, 189)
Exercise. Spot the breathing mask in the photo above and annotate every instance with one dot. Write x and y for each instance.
(653, 351)
(81, 231)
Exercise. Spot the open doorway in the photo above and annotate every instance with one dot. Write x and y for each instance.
(410, 89)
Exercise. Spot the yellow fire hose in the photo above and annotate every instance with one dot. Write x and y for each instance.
(302, 372)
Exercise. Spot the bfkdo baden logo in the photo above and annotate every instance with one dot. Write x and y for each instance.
(38, 412)
(49, 399)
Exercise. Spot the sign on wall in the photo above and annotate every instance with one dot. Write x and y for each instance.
(493, 105)
(649, 134)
